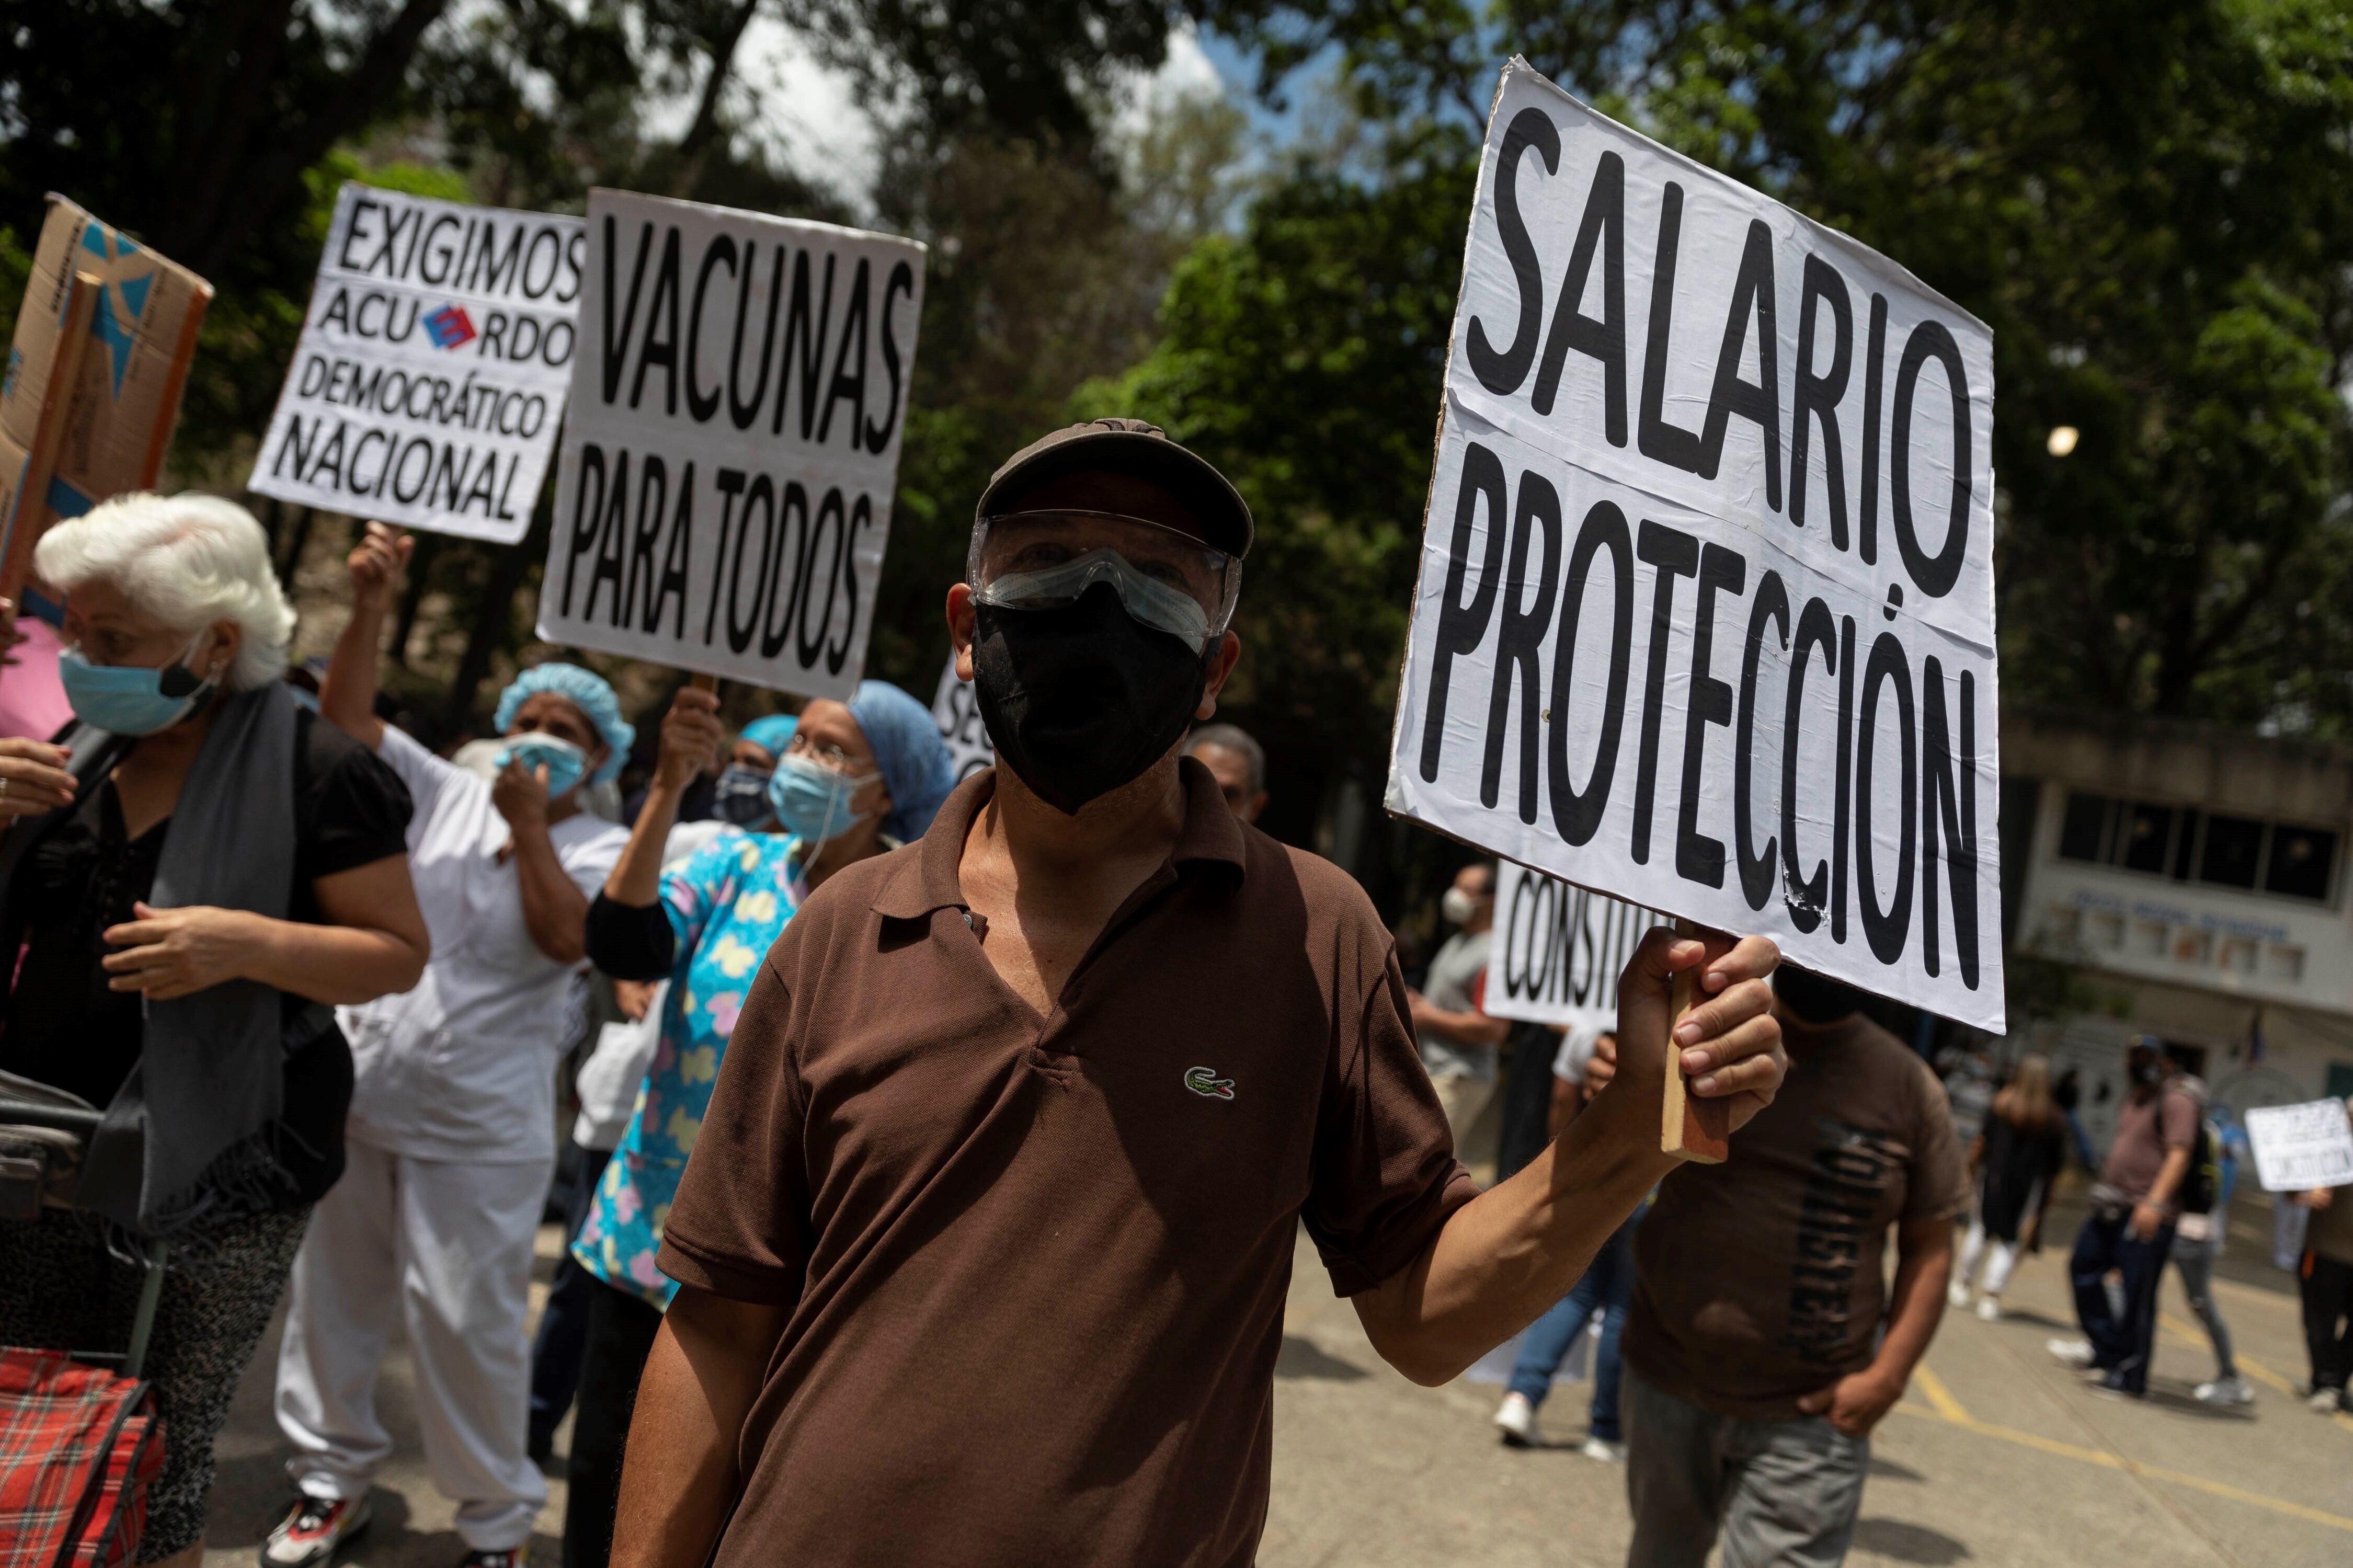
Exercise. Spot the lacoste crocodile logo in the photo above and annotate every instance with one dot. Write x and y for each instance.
(1204, 1081)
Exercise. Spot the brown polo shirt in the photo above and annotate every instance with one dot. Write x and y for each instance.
(1036, 1265)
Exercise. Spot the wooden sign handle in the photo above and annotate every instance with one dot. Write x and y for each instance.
(1690, 1127)
(704, 682)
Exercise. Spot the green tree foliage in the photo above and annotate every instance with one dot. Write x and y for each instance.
(198, 125)
(2152, 205)
(1043, 275)
(1303, 355)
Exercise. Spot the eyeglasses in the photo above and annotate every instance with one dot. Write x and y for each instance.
(832, 759)
(1165, 580)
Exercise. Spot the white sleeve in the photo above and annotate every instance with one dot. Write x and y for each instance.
(687, 837)
(590, 859)
(1576, 1050)
(609, 1079)
(425, 775)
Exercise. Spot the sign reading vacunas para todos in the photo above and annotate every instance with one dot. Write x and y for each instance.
(723, 492)
(428, 383)
(1705, 609)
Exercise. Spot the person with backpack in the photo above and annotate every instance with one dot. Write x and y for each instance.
(2198, 1241)
(2135, 1206)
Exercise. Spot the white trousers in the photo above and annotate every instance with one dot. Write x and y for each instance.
(446, 1247)
(1998, 1264)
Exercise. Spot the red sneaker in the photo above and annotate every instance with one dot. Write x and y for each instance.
(308, 1536)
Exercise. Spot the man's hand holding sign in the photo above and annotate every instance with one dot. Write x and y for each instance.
(1520, 1246)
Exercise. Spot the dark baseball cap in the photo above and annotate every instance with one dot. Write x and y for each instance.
(1133, 449)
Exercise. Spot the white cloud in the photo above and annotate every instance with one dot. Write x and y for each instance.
(811, 110)
(812, 114)
(1186, 72)
(807, 112)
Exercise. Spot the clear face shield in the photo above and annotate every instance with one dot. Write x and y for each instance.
(1165, 580)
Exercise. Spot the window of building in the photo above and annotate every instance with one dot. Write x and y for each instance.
(2233, 845)
(2300, 861)
(2083, 832)
(2244, 853)
(2147, 834)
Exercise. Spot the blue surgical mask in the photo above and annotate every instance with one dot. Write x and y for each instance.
(566, 763)
(131, 699)
(814, 801)
(740, 796)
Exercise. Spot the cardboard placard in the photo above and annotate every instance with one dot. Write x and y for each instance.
(126, 375)
(723, 492)
(1559, 949)
(428, 384)
(1706, 612)
(956, 710)
(2300, 1147)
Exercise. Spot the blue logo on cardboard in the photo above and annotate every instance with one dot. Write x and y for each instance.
(120, 302)
(449, 327)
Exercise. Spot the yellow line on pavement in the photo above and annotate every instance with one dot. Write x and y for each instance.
(2132, 1467)
(1941, 1397)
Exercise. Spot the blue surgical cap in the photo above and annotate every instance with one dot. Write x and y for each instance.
(585, 689)
(771, 733)
(908, 752)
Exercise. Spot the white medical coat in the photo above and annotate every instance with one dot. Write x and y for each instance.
(462, 1067)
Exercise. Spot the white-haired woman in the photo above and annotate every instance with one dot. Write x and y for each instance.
(189, 879)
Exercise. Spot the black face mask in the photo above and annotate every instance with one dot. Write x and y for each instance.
(741, 797)
(1082, 699)
(2145, 1074)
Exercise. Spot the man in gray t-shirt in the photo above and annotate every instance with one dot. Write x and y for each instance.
(1458, 1041)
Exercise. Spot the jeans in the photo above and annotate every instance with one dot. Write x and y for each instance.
(563, 1324)
(2081, 1142)
(2196, 1261)
(2328, 1303)
(1783, 1494)
(1606, 1285)
(621, 1329)
(2120, 1345)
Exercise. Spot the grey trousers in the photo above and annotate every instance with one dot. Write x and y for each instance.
(1784, 1494)
(2196, 1261)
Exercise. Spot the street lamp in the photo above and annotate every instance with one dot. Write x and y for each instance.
(2063, 439)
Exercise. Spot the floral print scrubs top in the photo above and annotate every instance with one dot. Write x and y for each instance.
(726, 904)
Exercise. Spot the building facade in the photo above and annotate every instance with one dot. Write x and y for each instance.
(2185, 882)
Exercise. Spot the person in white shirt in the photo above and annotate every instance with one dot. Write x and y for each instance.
(452, 1126)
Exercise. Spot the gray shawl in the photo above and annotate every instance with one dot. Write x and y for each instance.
(187, 1136)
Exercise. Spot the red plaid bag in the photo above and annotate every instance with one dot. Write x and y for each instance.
(80, 1446)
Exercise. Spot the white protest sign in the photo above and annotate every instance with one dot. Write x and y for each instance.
(1706, 613)
(430, 380)
(957, 711)
(723, 493)
(2300, 1147)
(1558, 950)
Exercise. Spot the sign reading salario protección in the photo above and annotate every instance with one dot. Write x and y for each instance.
(1705, 611)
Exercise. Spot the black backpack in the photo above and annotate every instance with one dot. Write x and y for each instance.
(2203, 1180)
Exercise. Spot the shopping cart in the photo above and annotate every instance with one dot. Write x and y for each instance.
(80, 1438)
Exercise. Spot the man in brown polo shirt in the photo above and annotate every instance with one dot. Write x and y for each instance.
(985, 1239)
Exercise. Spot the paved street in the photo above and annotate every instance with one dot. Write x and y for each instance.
(1997, 1455)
